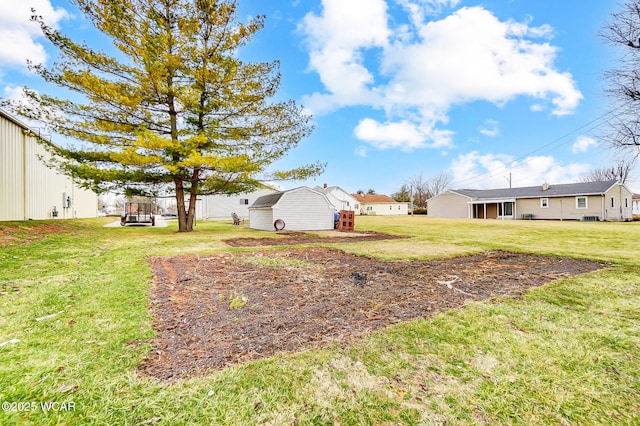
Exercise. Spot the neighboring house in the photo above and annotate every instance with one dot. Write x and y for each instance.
(635, 205)
(222, 206)
(608, 200)
(339, 198)
(299, 209)
(28, 188)
(380, 205)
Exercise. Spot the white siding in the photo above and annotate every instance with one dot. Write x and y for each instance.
(12, 143)
(384, 209)
(301, 209)
(304, 210)
(341, 200)
(28, 188)
(221, 206)
(261, 219)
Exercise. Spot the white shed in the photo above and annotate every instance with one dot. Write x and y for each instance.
(301, 209)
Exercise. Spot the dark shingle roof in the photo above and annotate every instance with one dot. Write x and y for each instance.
(268, 200)
(560, 190)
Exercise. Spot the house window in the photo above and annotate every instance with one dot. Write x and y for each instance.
(508, 209)
(390, 207)
(244, 201)
(613, 202)
(355, 206)
(581, 203)
(626, 202)
(544, 203)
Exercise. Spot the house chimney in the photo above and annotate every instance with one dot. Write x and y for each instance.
(325, 185)
(545, 186)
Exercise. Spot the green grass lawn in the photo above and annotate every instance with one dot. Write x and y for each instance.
(74, 323)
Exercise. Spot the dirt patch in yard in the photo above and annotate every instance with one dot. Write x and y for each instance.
(12, 233)
(219, 310)
(295, 238)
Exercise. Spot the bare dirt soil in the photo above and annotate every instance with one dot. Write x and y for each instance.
(295, 238)
(14, 234)
(218, 310)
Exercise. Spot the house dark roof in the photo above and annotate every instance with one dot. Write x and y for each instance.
(268, 200)
(560, 190)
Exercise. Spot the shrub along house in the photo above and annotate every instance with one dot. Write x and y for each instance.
(591, 201)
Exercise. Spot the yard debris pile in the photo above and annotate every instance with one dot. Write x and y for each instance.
(218, 310)
(296, 238)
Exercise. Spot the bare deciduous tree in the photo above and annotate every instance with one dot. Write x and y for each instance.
(439, 184)
(623, 32)
(421, 189)
(619, 172)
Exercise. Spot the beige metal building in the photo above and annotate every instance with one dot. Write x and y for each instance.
(28, 188)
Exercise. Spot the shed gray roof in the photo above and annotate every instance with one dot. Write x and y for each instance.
(560, 190)
(268, 200)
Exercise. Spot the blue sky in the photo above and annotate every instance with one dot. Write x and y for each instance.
(478, 90)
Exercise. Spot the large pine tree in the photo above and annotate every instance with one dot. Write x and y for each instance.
(175, 109)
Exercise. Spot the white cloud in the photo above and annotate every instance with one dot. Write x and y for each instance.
(20, 36)
(418, 10)
(13, 93)
(490, 128)
(583, 144)
(361, 151)
(477, 171)
(404, 135)
(418, 72)
(336, 41)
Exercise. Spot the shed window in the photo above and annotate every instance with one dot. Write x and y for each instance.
(544, 203)
(613, 202)
(626, 202)
(581, 202)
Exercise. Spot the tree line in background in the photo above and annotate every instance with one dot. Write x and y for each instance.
(419, 189)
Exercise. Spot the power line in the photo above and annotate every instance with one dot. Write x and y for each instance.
(550, 145)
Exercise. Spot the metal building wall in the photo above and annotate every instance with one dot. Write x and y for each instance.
(11, 167)
(28, 188)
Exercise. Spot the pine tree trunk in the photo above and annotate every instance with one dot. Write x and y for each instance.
(185, 223)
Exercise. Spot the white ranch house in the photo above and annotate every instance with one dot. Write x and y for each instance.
(339, 198)
(590, 201)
